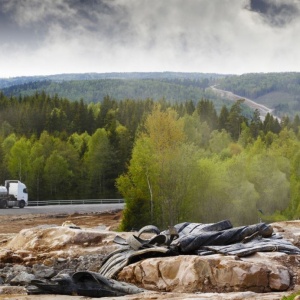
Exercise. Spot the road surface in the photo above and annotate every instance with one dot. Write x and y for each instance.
(61, 209)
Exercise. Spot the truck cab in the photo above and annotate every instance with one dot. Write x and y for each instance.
(17, 191)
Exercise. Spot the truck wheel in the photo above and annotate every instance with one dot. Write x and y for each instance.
(4, 204)
(22, 204)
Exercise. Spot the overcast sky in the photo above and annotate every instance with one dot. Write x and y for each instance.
(41, 37)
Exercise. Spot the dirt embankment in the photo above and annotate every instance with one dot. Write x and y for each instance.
(11, 225)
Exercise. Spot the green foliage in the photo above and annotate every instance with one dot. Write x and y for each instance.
(209, 191)
(132, 88)
(57, 175)
(207, 113)
(290, 297)
(18, 159)
(171, 163)
(137, 186)
(96, 161)
(279, 91)
(250, 184)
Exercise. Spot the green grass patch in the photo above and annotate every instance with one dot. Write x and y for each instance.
(290, 297)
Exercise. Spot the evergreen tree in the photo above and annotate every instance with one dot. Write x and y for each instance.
(255, 124)
(223, 119)
(235, 120)
(207, 113)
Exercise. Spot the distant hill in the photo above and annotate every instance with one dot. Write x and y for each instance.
(279, 91)
(8, 82)
(93, 87)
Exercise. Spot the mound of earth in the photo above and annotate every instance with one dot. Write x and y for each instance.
(11, 225)
(14, 224)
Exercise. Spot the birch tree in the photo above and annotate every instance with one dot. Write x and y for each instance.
(159, 174)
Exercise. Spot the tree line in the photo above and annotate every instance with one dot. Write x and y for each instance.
(254, 85)
(174, 88)
(182, 170)
(170, 161)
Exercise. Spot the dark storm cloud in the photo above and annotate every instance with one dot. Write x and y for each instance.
(276, 12)
(223, 36)
(72, 16)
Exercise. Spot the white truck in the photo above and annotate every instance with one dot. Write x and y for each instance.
(13, 193)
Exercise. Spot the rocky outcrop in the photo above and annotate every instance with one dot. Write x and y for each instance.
(290, 230)
(42, 252)
(42, 244)
(215, 273)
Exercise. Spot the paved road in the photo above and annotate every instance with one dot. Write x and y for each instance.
(263, 110)
(63, 209)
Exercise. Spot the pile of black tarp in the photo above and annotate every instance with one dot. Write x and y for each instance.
(181, 239)
(197, 239)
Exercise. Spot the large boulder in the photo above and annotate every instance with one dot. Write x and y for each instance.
(39, 244)
(215, 273)
(289, 230)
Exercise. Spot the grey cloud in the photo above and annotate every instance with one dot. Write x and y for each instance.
(73, 16)
(276, 12)
(140, 23)
(59, 36)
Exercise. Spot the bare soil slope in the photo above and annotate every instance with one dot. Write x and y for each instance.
(11, 225)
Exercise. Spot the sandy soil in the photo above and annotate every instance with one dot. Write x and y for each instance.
(13, 224)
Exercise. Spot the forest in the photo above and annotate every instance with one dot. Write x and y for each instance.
(278, 91)
(170, 161)
(94, 90)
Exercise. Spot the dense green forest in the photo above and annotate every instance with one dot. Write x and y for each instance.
(173, 89)
(171, 161)
(15, 81)
(95, 90)
(278, 91)
(182, 170)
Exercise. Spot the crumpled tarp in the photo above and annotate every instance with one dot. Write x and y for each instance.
(198, 239)
(83, 283)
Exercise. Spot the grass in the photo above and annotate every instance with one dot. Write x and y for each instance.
(291, 297)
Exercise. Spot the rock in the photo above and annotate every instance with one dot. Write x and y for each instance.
(70, 225)
(40, 244)
(10, 271)
(48, 250)
(49, 262)
(289, 230)
(23, 278)
(280, 280)
(41, 271)
(90, 262)
(215, 273)
(5, 255)
(12, 290)
(61, 260)
(290, 267)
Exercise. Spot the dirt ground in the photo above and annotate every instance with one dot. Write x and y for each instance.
(11, 225)
(14, 224)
